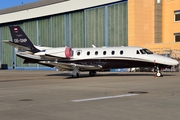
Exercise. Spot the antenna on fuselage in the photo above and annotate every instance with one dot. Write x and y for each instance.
(93, 46)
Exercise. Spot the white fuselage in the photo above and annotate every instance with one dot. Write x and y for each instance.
(107, 57)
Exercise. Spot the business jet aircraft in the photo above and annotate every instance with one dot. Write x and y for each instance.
(86, 59)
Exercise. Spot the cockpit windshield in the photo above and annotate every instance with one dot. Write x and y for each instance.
(145, 51)
(148, 51)
(142, 51)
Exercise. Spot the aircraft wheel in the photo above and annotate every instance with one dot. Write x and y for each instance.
(92, 73)
(75, 75)
(159, 74)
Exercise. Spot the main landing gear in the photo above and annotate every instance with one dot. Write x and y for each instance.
(158, 72)
(76, 73)
(92, 73)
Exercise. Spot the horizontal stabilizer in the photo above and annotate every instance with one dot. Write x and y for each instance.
(17, 46)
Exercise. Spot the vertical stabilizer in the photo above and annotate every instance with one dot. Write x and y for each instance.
(20, 38)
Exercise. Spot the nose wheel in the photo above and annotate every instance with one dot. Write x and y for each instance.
(158, 72)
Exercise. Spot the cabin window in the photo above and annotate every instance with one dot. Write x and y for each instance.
(78, 52)
(137, 52)
(96, 53)
(121, 52)
(113, 52)
(177, 15)
(88, 53)
(104, 53)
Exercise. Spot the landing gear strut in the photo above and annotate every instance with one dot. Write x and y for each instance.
(92, 73)
(75, 73)
(158, 72)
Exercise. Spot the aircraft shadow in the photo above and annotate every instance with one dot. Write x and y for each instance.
(110, 74)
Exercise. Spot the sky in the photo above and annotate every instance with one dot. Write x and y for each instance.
(11, 3)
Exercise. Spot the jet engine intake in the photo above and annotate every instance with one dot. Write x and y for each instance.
(68, 52)
(63, 52)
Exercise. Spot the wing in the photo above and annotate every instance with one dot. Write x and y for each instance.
(70, 66)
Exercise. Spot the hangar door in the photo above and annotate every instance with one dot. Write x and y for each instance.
(102, 26)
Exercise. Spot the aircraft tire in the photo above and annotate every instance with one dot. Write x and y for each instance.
(75, 76)
(159, 74)
(92, 73)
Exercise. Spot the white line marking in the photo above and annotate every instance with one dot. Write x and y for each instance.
(101, 98)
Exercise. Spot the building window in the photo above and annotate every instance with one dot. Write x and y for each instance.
(177, 15)
(104, 53)
(177, 37)
(158, 1)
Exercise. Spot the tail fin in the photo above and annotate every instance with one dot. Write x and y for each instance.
(20, 38)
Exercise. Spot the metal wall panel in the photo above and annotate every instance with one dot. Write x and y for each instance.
(44, 36)
(44, 33)
(29, 28)
(67, 30)
(117, 20)
(77, 29)
(58, 34)
(7, 50)
(95, 27)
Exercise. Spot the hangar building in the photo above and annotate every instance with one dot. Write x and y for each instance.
(153, 24)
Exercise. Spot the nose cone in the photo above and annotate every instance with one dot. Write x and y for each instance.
(166, 60)
(171, 61)
(174, 62)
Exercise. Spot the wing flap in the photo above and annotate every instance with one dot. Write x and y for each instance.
(70, 66)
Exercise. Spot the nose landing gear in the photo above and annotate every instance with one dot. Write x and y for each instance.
(158, 72)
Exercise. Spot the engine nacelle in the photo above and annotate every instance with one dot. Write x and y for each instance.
(68, 52)
(64, 52)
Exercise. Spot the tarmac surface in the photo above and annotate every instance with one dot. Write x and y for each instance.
(52, 95)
